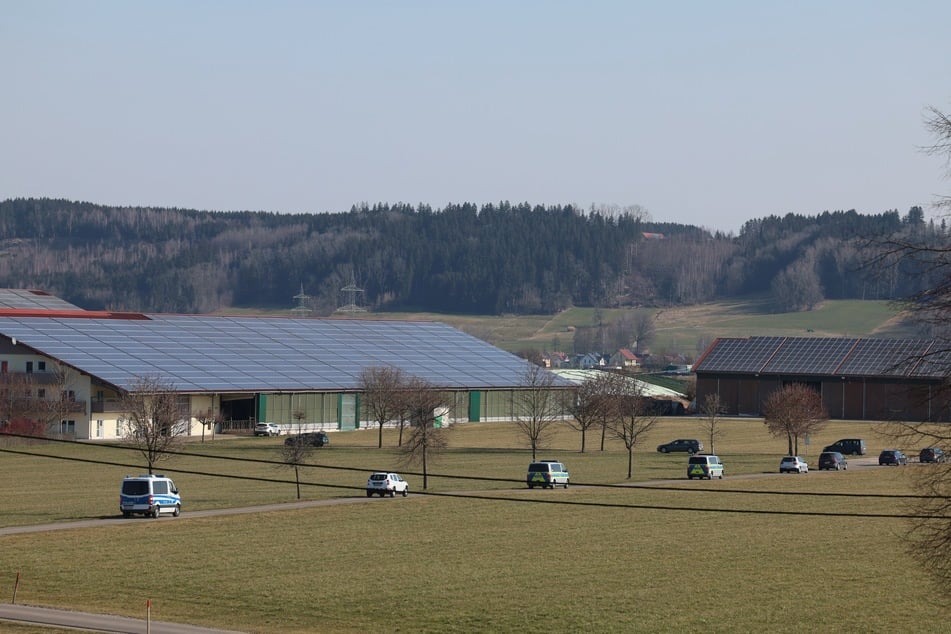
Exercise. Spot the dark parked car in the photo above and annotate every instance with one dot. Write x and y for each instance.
(932, 454)
(311, 439)
(681, 444)
(892, 457)
(848, 446)
(832, 460)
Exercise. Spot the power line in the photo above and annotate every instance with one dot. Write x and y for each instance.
(486, 496)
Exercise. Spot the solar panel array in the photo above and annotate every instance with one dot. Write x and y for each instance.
(217, 354)
(28, 299)
(827, 356)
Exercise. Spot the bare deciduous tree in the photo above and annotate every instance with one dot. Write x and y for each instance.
(35, 403)
(208, 419)
(710, 411)
(929, 539)
(794, 411)
(295, 454)
(632, 417)
(421, 401)
(381, 388)
(587, 403)
(536, 407)
(152, 420)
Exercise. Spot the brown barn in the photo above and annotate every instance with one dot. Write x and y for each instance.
(859, 379)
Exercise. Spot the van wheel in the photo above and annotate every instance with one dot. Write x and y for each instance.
(177, 511)
(393, 493)
(566, 484)
(156, 511)
(531, 486)
(126, 514)
(405, 492)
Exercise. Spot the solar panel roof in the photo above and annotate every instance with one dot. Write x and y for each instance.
(826, 356)
(201, 353)
(26, 298)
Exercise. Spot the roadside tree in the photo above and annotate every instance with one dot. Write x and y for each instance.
(381, 395)
(929, 252)
(152, 420)
(208, 419)
(420, 402)
(536, 407)
(710, 412)
(587, 403)
(294, 455)
(794, 411)
(632, 416)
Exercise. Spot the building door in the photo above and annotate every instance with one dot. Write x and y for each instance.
(347, 412)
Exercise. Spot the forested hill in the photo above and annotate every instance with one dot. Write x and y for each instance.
(489, 259)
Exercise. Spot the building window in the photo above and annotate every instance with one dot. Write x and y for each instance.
(3, 367)
(29, 366)
(41, 366)
(41, 392)
(118, 429)
(99, 426)
(67, 427)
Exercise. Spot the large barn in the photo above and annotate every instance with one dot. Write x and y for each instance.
(237, 369)
(858, 378)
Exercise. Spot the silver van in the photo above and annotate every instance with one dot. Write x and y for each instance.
(704, 466)
(546, 474)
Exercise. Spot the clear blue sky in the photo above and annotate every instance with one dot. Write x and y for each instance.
(703, 112)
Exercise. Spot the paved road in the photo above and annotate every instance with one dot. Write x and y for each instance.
(31, 615)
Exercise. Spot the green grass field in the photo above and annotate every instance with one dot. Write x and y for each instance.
(685, 328)
(714, 555)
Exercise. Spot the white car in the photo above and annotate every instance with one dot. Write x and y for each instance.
(387, 483)
(267, 429)
(793, 464)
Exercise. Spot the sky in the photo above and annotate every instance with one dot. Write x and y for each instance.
(707, 113)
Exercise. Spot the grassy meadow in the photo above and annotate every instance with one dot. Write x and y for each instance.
(725, 556)
(680, 329)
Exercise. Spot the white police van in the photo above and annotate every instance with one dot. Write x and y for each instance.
(149, 495)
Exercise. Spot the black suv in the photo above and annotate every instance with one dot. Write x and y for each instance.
(832, 460)
(681, 444)
(931, 454)
(312, 439)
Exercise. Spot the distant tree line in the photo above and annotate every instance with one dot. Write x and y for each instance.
(489, 259)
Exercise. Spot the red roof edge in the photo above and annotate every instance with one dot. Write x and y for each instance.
(70, 314)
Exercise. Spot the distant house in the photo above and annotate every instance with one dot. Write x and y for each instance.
(554, 360)
(590, 360)
(626, 359)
